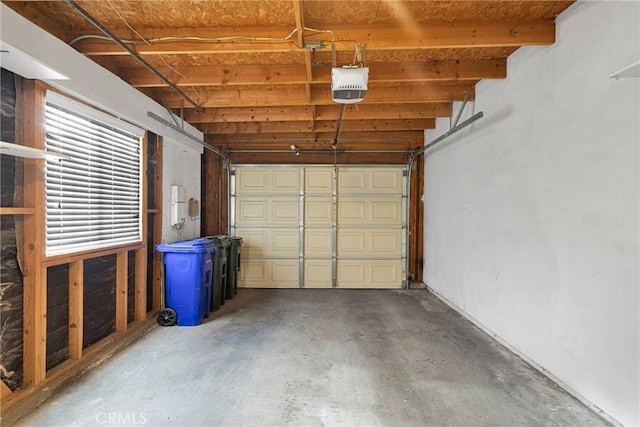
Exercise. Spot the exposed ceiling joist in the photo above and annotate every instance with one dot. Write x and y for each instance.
(251, 97)
(317, 126)
(437, 35)
(322, 112)
(413, 137)
(283, 74)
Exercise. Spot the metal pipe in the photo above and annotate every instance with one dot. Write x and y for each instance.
(167, 123)
(464, 103)
(449, 133)
(137, 57)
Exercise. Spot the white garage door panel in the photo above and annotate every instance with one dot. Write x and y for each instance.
(369, 243)
(369, 274)
(267, 181)
(318, 181)
(285, 181)
(370, 181)
(351, 274)
(387, 212)
(254, 242)
(317, 242)
(266, 211)
(350, 235)
(285, 273)
(269, 273)
(252, 180)
(265, 242)
(385, 181)
(318, 211)
(353, 211)
(317, 273)
(384, 273)
(253, 271)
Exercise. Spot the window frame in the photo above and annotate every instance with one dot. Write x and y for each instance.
(106, 121)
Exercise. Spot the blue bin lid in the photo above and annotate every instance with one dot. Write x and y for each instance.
(187, 246)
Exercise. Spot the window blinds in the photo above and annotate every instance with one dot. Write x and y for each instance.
(92, 200)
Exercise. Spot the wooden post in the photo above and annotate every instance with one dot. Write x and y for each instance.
(76, 307)
(122, 287)
(141, 254)
(416, 220)
(157, 226)
(141, 285)
(35, 275)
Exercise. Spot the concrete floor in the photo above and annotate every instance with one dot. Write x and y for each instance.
(317, 357)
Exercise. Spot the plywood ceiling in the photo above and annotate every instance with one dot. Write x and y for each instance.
(246, 62)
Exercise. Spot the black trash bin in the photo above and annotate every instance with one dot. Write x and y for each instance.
(233, 266)
(219, 277)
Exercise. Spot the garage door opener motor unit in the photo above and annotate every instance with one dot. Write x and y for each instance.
(349, 84)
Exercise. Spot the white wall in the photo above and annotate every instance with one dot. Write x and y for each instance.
(180, 166)
(532, 215)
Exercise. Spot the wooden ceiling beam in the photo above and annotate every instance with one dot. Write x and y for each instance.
(239, 97)
(224, 75)
(249, 114)
(435, 35)
(415, 137)
(349, 157)
(232, 75)
(298, 11)
(322, 112)
(385, 111)
(376, 125)
(402, 145)
(318, 126)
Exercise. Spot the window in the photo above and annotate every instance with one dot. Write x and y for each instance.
(93, 200)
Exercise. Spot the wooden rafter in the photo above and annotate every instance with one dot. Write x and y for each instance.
(320, 112)
(437, 35)
(317, 126)
(416, 137)
(295, 96)
(286, 74)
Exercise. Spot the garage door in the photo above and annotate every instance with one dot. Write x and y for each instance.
(320, 226)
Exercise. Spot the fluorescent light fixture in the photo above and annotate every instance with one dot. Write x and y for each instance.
(30, 152)
(25, 65)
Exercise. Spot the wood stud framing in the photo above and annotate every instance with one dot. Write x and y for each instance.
(35, 274)
(76, 307)
(36, 263)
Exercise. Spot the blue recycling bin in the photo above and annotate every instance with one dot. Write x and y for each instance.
(188, 269)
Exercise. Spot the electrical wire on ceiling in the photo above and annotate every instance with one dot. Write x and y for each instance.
(131, 52)
(197, 39)
(227, 39)
(143, 39)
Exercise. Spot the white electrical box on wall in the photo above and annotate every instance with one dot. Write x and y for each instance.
(178, 195)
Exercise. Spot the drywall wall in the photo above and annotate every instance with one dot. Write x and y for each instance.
(531, 214)
(180, 166)
(87, 80)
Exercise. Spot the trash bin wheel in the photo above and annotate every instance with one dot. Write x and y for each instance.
(167, 317)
